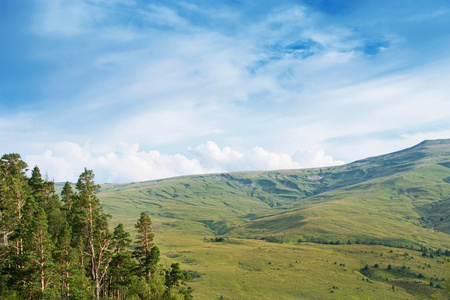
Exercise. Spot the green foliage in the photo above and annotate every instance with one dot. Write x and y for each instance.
(51, 250)
(39, 263)
(14, 192)
(121, 239)
(67, 196)
(175, 277)
(145, 253)
(366, 271)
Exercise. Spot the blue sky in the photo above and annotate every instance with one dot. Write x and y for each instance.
(140, 90)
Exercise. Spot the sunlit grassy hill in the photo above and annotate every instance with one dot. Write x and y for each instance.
(222, 228)
(396, 199)
(402, 198)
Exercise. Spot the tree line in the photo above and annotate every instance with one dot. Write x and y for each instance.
(55, 247)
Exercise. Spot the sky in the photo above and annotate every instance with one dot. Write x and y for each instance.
(142, 90)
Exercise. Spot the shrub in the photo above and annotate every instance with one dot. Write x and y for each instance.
(366, 271)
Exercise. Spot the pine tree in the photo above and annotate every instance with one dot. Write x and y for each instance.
(67, 196)
(93, 225)
(16, 263)
(175, 281)
(121, 239)
(39, 259)
(65, 257)
(142, 252)
(14, 192)
(36, 182)
(122, 263)
(43, 192)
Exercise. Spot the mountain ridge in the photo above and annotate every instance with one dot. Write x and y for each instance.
(402, 197)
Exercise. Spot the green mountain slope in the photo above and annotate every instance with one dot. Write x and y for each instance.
(396, 199)
(402, 198)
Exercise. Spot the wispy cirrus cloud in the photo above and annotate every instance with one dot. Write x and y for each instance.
(265, 79)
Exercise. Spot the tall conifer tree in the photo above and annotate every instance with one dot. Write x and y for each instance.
(39, 263)
(14, 191)
(93, 225)
(146, 254)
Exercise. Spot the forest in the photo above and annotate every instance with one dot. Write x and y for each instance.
(56, 247)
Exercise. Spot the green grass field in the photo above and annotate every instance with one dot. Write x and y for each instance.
(255, 269)
(400, 199)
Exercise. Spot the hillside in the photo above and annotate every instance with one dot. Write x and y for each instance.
(400, 199)
(222, 228)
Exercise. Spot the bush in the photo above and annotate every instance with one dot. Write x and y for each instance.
(272, 239)
(366, 271)
(218, 239)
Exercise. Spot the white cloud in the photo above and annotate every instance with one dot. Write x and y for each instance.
(315, 158)
(373, 116)
(165, 126)
(261, 159)
(442, 12)
(214, 158)
(65, 161)
(66, 18)
(164, 16)
(129, 164)
(227, 159)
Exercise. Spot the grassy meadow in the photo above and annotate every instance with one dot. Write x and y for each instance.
(255, 269)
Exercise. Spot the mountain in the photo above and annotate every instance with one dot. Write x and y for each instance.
(371, 229)
(397, 199)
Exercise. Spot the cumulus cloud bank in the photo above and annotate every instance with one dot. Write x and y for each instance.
(65, 161)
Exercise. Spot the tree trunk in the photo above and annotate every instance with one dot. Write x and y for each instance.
(42, 260)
